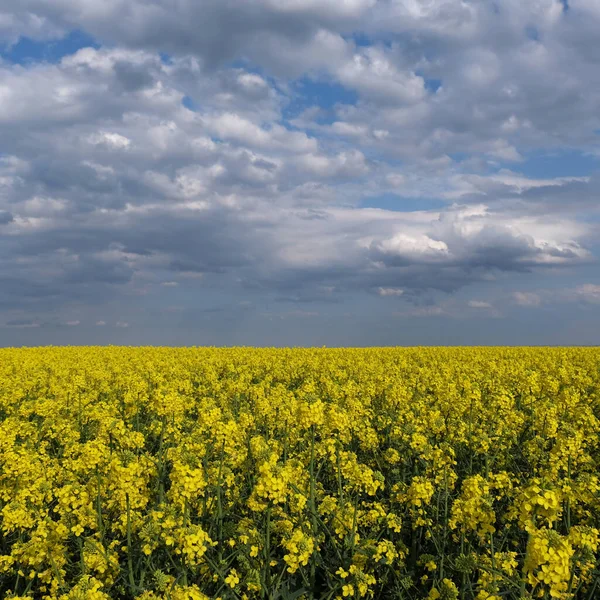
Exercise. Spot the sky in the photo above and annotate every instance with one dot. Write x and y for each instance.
(299, 172)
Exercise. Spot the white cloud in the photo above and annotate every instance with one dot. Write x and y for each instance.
(231, 126)
(390, 291)
(504, 151)
(373, 74)
(349, 129)
(346, 164)
(479, 304)
(589, 292)
(423, 311)
(111, 140)
(402, 244)
(527, 299)
(329, 8)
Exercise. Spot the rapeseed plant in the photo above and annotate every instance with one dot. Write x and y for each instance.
(196, 473)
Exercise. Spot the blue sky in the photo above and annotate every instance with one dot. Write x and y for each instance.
(299, 172)
(28, 51)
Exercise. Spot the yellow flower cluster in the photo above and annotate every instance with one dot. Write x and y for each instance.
(300, 548)
(472, 511)
(255, 474)
(548, 562)
(194, 543)
(537, 500)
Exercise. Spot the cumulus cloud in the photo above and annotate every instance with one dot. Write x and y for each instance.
(527, 299)
(390, 291)
(475, 237)
(374, 75)
(479, 304)
(346, 164)
(586, 294)
(111, 140)
(589, 292)
(407, 248)
(422, 311)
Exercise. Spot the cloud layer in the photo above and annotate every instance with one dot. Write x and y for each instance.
(400, 158)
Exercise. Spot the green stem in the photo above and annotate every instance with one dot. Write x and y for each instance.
(267, 571)
(339, 474)
(219, 573)
(568, 511)
(129, 549)
(492, 552)
(593, 590)
(186, 522)
(354, 520)
(99, 506)
(445, 524)
(81, 560)
(313, 508)
(463, 582)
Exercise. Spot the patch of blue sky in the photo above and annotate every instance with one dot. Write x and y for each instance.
(28, 51)
(399, 203)
(433, 85)
(537, 164)
(189, 103)
(247, 65)
(532, 33)
(326, 95)
(459, 156)
(165, 58)
(360, 39)
(559, 163)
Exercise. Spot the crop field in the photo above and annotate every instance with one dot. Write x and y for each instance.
(192, 473)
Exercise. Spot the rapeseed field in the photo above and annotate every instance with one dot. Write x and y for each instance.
(193, 473)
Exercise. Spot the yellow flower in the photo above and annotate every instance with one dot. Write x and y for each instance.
(232, 579)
